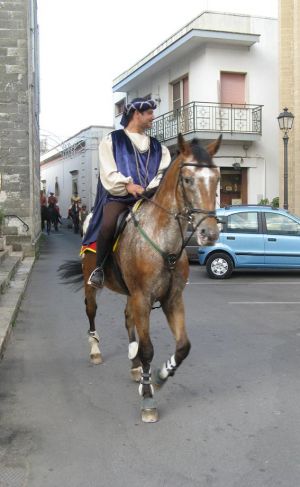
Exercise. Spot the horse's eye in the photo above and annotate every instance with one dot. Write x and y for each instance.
(189, 181)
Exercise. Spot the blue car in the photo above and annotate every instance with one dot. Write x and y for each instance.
(253, 237)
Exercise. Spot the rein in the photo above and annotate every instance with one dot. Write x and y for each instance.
(186, 214)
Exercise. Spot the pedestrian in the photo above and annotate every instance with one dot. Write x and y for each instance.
(130, 163)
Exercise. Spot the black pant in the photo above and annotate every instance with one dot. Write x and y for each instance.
(111, 211)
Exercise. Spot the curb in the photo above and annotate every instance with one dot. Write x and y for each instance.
(10, 301)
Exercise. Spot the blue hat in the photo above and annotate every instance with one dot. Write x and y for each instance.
(139, 104)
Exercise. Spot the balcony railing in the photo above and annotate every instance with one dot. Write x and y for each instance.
(208, 117)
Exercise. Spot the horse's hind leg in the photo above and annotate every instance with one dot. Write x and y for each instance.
(174, 311)
(91, 309)
(133, 345)
(140, 308)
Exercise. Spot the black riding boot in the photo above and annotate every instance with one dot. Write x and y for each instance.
(96, 278)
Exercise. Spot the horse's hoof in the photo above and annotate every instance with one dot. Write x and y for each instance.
(157, 381)
(96, 358)
(149, 415)
(136, 374)
(149, 411)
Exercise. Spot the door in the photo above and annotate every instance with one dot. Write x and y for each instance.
(242, 234)
(180, 92)
(233, 186)
(232, 115)
(282, 240)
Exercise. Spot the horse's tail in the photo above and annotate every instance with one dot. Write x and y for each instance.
(71, 273)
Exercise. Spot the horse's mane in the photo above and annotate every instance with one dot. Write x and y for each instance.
(200, 154)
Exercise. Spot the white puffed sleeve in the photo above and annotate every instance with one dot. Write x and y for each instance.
(113, 181)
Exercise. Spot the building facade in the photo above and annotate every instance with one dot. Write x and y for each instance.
(19, 121)
(73, 167)
(218, 74)
(289, 17)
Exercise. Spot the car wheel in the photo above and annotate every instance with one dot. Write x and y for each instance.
(219, 266)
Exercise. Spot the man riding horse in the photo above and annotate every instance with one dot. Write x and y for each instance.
(130, 163)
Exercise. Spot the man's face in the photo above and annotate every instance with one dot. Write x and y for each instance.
(145, 119)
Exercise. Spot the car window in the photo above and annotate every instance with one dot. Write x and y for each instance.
(281, 224)
(245, 222)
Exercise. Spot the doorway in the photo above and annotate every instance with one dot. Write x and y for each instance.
(233, 186)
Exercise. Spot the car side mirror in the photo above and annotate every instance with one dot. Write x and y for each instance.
(221, 220)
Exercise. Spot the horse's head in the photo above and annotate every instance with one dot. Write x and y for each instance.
(198, 182)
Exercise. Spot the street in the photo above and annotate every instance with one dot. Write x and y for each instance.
(228, 418)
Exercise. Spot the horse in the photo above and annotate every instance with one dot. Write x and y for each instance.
(45, 218)
(74, 213)
(154, 266)
(53, 216)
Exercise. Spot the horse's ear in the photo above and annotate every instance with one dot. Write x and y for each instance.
(182, 145)
(213, 148)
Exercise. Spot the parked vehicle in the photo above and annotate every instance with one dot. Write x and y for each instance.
(253, 237)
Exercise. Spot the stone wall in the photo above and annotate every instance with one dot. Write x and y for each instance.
(19, 118)
(289, 16)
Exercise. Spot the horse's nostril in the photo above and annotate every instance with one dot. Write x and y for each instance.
(203, 231)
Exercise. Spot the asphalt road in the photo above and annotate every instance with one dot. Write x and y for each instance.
(229, 418)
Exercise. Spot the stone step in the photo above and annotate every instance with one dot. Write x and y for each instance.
(8, 230)
(8, 269)
(18, 241)
(3, 254)
(11, 300)
(2, 241)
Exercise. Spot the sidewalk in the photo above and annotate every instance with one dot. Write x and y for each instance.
(11, 299)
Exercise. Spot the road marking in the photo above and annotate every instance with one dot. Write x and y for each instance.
(263, 302)
(220, 283)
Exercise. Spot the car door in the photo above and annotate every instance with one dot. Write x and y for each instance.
(282, 240)
(242, 234)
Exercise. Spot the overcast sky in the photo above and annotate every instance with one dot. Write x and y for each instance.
(84, 45)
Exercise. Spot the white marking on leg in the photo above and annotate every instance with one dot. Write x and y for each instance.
(168, 367)
(94, 340)
(132, 350)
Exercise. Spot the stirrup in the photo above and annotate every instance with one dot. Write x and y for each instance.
(96, 279)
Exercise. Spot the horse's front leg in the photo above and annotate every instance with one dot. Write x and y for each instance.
(141, 308)
(133, 345)
(174, 311)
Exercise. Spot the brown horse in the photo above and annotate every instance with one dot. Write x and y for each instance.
(151, 257)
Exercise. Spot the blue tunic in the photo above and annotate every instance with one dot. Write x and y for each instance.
(141, 167)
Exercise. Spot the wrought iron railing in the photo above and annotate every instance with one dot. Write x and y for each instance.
(26, 227)
(208, 117)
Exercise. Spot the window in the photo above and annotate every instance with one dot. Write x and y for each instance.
(281, 225)
(180, 93)
(119, 107)
(233, 88)
(246, 222)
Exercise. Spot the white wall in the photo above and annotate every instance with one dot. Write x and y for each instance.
(203, 66)
(86, 162)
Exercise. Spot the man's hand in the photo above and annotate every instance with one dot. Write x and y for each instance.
(134, 189)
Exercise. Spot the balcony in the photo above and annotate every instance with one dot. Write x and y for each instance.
(206, 120)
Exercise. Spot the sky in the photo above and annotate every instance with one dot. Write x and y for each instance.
(85, 44)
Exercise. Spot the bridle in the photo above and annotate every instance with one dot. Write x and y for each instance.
(185, 214)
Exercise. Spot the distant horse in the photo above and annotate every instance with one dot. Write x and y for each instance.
(53, 216)
(74, 213)
(45, 217)
(153, 263)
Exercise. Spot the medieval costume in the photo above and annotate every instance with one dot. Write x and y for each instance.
(125, 157)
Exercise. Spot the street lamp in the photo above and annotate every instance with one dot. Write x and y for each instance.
(285, 121)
